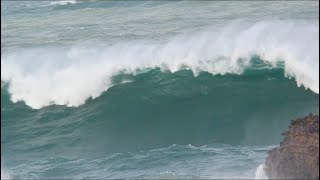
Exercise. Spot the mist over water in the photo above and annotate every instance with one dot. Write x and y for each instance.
(176, 89)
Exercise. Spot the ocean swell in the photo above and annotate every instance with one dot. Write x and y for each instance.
(70, 75)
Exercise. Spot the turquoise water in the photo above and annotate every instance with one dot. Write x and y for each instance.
(152, 89)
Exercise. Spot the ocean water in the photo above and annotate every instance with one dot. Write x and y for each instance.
(152, 89)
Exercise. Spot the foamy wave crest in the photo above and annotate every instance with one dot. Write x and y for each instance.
(69, 76)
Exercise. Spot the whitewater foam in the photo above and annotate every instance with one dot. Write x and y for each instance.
(70, 75)
(260, 173)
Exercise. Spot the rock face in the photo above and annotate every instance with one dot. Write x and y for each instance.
(297, 157)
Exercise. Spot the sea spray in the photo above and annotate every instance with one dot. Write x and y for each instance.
(260, 173)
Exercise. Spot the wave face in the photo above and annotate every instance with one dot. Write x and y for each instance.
(152, 110)
(152, 89)
(160, 108)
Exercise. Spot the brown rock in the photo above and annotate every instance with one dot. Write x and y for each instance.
(297, 157)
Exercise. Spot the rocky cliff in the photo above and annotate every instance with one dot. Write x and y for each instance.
(297, 157)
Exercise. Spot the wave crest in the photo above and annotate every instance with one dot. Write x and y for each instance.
(70, 75)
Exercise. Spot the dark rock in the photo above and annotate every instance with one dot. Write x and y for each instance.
(297, 157)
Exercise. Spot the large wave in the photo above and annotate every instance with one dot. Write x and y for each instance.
(156, 109)
(70, 75)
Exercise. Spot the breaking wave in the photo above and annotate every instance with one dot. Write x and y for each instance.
(71, 75)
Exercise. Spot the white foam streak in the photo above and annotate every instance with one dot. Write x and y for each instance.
(69, 76)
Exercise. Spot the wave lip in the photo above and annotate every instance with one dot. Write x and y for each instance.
(44, 76)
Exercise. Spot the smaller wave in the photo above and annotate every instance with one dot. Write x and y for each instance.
(168, 175)
(63, 2)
